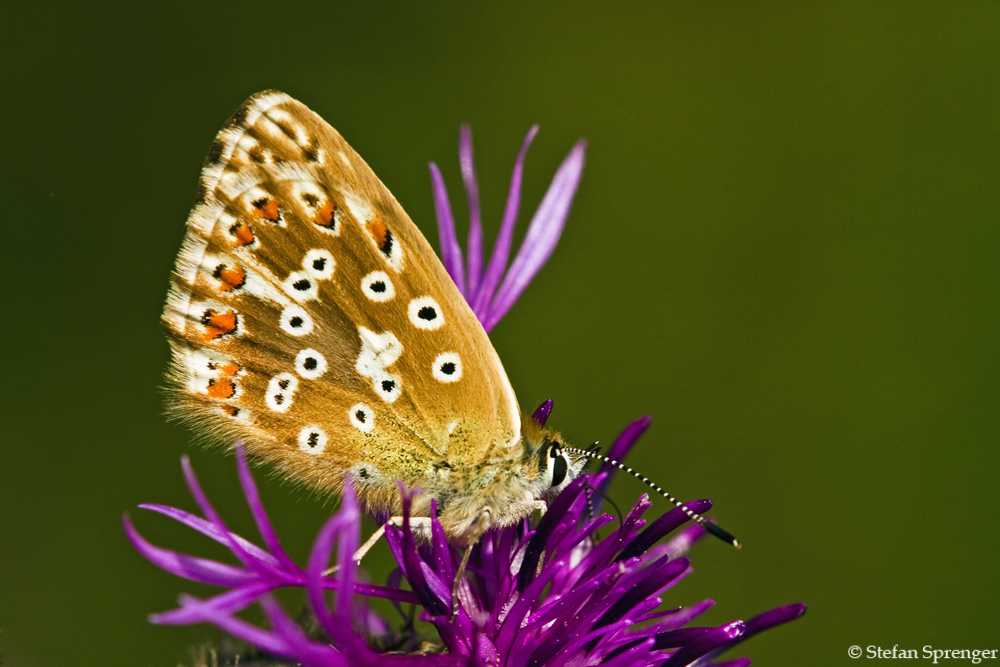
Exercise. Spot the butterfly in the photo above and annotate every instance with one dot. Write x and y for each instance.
(309, 318)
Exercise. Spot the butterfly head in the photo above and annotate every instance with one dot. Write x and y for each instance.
(556, 465)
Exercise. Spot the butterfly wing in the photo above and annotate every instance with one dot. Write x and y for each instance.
(308, 316)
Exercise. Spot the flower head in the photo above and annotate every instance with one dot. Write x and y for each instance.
(547, 592)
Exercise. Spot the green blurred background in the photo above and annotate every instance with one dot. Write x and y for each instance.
(785, 248)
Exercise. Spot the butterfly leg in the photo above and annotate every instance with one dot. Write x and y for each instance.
(481, 523)
(526, 508)
(418, 524)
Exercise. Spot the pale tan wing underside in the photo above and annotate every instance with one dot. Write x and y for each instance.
(309, 316)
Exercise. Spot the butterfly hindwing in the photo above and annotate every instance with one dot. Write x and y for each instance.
(309, 316)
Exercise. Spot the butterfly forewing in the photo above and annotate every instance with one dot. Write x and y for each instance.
(310, 317)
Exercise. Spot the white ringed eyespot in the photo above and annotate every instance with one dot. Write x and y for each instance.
(387, 386)
(312, 439)
(362, 417)
(425, 313)
(296, 321)
(310, 364)
(319, 264)
(301, 286)
(378, 287)
(447, 367)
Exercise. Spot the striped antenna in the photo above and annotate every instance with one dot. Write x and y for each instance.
(710, 527)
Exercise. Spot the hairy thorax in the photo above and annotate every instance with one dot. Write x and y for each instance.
(471, 498)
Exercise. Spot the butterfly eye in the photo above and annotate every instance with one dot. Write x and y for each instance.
(296, 321)
(557, 465)
(362, 417)
(377, 286)
(425, 313)
(312, 439)
(310, 364)
(447, 367)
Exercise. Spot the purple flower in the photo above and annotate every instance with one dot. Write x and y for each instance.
(550, 592)
(481, 288)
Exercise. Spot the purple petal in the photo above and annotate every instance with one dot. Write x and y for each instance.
(451, 252)
(391, 593)
(634, 655)
(439, 544)
(681, 543)
(619, 450)
(678, 638)
(410, 562)
(606, 550)
(712, 640)
(319, 559)
(298, 647)
(257, 509)
(562, 645)
(475, 247)
(543, 234)
(548, 524)
(501, 250)
(210, 530)
(769, 619)
(531, 597)
(244, 631)
(230, 602)
(677, 618)
(347, 545)
(436, 583)
(542, 412)
(665, 524)
(201, 570)
(550, 610)
(654, 579)
(213, 516)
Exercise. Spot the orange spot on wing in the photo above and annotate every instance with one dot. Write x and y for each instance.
(243, 233)
(266, 208)
(231, 410)
(229, 370)
(324, 216)
(230, 278)
(221, 389)
(218, 324)
(378, 230)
